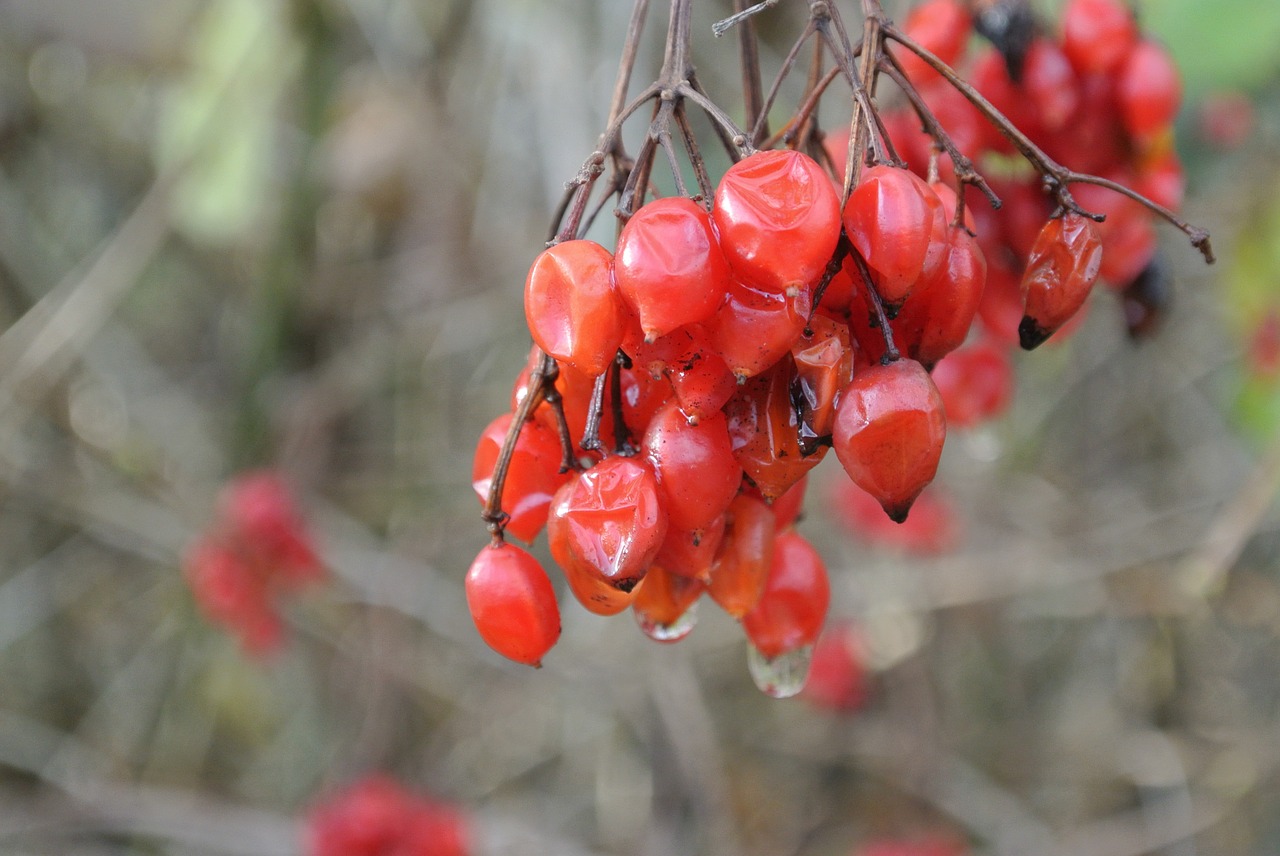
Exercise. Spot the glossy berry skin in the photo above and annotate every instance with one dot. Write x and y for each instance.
(1061, 270)
(788, 507)
(573, 309)
(1097, 34)
(1148, 90)
(607, 523)
(779, 220)
(691, 552)
(702, 384)
(889, 432)
(753, 329)
(663, 598)
(694, 464)
(532, 478)
(824, 365)
(936, 320)
(793, 605)
(764, 428)
(890, 218)
(512, 603)
(742, 564)
(669, 266)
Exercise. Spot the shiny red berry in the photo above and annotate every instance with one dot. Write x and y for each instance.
(779, 220)
(669, 266)
(512, 603)
(889, 432)
(573, 309)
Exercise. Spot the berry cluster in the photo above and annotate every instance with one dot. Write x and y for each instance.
(730, 390)
(1097, 96)
(682, 386)
(376, 816)
(256, 549)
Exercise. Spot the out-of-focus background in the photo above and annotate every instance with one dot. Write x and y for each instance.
(238, 234)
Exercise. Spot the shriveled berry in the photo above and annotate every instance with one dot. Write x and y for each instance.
(609, 522)
(1061, 271)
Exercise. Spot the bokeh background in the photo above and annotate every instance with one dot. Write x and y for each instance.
(248, 233)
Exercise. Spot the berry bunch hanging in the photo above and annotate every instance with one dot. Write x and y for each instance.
(682, 385)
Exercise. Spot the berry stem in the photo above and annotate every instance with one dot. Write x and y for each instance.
(542, 379)
(963, 166)
(760, 128)
(877, 305)
(754, 112)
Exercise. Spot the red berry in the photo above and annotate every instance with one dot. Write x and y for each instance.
(891, 217)
(694, 464)
(941, 27)
(669, 266)
(1061, 270)
(838, 673)
(532, 478)
(779, 220)
(764, 428)
(663, 600)
(378, 817)
(263, 519)
(936, 318)
(753, 329)
(741, 565)
(690, 552)
(1148, 90)
(608, 523)
(889, 433)
(1050, 82)
(571, 304)
(788, 507)
(824, 365)
(1097, 34)
(512, 603)
(232, 592)
(975, 382)
(793, 605)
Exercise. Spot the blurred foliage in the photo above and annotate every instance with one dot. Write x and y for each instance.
(255, 232)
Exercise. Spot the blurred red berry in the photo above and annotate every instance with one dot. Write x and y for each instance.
(838, 672)
(262, 517)
(1225, 119)
(931, 530)
(930, 845)
(378, 817)
(255, 548)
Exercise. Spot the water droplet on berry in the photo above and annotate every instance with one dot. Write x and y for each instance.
(672, 632)
(782, 676)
